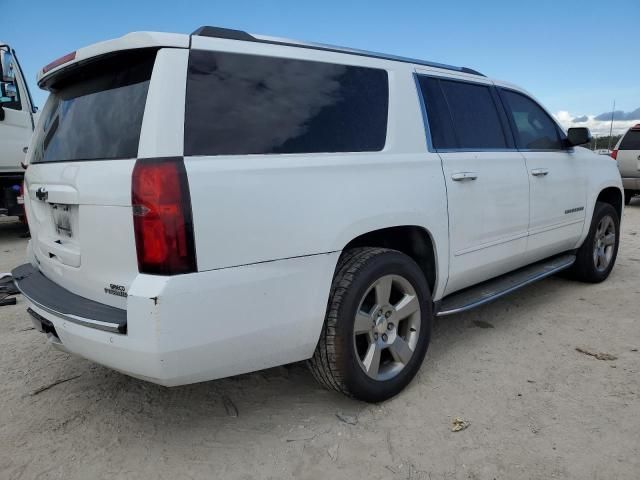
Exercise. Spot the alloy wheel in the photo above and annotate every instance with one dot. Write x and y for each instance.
(604, 243)
(387, 327)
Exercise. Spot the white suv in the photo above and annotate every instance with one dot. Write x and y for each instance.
(627, 154)
(211, 204)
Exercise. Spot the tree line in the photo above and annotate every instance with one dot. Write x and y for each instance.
(603, 142)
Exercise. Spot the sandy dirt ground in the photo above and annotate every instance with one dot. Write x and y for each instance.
(536, 407)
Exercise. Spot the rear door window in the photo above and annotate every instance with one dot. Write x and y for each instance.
(440, 124)
(95, 112)
(534, 128)
(240, 104)
(631, 141)
(463, 115)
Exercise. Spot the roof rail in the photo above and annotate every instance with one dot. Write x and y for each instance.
(231, 34)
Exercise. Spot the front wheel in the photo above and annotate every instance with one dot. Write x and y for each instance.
(597, 255)
(377, 327)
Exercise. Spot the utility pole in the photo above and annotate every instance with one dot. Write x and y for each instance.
(613, 111)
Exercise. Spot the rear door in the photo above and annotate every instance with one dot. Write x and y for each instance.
(486, 179)
(79, 177)
(557, 176)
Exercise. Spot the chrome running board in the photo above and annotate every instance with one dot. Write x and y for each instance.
(497, 287)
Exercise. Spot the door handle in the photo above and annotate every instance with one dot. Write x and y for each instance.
(539, 172)
(464, 176)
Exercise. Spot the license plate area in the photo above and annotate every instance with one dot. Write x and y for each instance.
(63, 219)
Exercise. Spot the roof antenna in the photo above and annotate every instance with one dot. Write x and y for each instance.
(613, 111)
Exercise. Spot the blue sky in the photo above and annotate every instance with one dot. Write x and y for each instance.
(575, 56)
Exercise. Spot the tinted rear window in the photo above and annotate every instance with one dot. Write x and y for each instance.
(462, 115)
(96, 111)
(440, 125)
(248, 104)
(631, 141)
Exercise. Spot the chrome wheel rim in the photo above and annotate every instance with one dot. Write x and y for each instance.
(386, 327)
(604, 243)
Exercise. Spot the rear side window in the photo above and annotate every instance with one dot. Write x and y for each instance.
(247, 104)
(631, 141)
(534, 129)
(96, 111)
(462, 115)
(440, 124)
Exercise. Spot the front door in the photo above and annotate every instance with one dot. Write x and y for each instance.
(557, 176)
(486, 179)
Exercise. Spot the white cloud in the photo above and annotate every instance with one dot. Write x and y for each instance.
(597, 127)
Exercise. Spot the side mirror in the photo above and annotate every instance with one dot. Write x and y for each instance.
(8, 92)
(7, 66)
(578, 136)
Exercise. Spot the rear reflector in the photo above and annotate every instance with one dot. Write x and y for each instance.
(60, 61)
(23, 192)
(614, 154)
(162, 217)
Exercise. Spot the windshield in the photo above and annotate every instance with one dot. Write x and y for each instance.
(96, 111)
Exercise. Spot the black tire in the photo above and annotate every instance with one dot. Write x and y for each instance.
(628, 195)
(585, 268)
(335, 363)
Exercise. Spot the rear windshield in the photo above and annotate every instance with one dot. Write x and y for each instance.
(95, 112)
(631, 141)
(249, 104)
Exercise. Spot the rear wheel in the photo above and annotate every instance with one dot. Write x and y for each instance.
(377, 327)
(597, 255)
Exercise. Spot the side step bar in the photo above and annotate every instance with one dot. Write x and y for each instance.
(497, 287)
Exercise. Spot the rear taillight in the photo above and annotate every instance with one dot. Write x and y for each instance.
(162, 217)
(614, 154)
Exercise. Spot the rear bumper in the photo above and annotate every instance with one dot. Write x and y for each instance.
(207, 325)
(631, 183)
(63, 304)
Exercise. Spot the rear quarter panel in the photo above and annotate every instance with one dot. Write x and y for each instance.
(629, 163)
(257, 208)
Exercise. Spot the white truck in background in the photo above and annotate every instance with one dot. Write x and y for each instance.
(18, 117)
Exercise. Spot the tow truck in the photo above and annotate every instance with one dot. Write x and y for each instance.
(18, 118)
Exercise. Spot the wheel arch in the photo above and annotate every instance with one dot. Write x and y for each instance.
(415, 241)
(614, 197)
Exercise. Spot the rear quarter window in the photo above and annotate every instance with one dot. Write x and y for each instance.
(248, 104)
(631, 141)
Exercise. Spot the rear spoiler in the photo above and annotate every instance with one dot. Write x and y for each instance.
(131, 41)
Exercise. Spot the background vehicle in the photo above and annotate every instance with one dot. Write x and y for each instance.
(17, 121)
(203, 206)
(627, 154)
